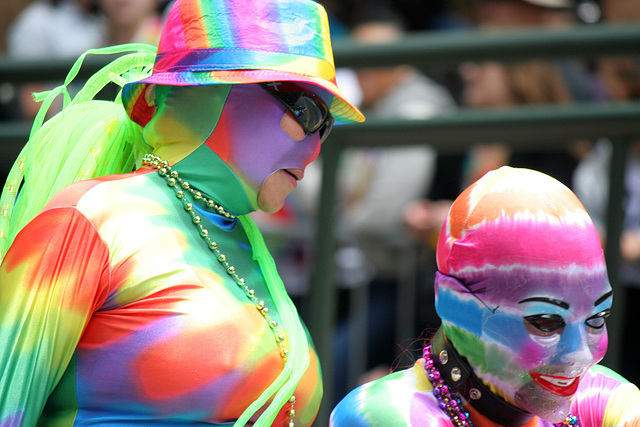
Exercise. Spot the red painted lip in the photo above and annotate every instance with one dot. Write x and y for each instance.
(561, 386)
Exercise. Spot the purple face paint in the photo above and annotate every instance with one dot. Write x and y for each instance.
(250, 140)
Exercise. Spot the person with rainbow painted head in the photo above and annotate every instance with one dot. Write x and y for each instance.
(134, 288)
(523, 294)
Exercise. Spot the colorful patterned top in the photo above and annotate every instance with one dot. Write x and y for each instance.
(405, 398)
(117, 316)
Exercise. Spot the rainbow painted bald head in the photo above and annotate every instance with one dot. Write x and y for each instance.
(522, 288)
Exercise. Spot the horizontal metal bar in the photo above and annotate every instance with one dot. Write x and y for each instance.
(526, 128)
(14, 131)
(455, 46)
(26, 70)
(417, 48)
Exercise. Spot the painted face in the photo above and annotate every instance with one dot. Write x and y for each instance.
(566, 336)
(252, 139)
(531, 334)
(527, 300)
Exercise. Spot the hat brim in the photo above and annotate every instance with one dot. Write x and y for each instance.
(140, 112)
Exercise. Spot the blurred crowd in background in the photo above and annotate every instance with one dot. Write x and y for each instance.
(392, 200)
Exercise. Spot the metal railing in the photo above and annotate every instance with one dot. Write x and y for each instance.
(522, 128)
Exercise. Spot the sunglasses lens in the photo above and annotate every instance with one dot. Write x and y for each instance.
(325, 129)
(313, 115)
(310, 112)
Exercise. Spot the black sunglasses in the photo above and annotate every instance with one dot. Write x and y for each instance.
(308, 109)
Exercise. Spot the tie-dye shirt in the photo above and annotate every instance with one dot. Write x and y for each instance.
(114, 312)
(405, 398)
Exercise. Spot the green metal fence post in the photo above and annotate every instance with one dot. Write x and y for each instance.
(322, 305)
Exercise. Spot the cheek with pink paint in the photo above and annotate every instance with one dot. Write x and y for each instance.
(514, 351)
(250, 139)
(534, 355)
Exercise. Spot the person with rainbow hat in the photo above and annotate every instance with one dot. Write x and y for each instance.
(522, 293)
(134, 289)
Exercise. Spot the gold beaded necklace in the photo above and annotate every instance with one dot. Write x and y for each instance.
(180, 186)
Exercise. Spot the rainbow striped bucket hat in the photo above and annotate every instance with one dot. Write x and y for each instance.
(207, 42)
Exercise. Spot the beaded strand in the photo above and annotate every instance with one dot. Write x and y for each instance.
(452, 405)
(570, 421)
(180, 186)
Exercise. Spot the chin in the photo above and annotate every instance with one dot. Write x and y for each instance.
(274, 191)
(550, 407)
(270, 206)
(271, 210)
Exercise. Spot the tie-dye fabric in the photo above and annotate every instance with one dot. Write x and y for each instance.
(116, 316)
(405, 398)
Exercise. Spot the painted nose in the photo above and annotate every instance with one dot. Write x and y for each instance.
(575, 347)
(291, 126)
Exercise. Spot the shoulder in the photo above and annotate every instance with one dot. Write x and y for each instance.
(604, 398)
(403, 398)
(104, 187)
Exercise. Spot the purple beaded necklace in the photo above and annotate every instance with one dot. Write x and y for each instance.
(452, 405)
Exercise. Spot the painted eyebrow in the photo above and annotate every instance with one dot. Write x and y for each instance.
(549, 300)
(602, 298)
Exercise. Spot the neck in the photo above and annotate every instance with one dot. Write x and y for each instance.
(458, 375)
(206, 172)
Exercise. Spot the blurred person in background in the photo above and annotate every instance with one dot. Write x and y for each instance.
(501, 86)
(498, 85)
(64, 29)
(132, 21)
(620, 79)
(55, 29)
(500, 14)
(52, 29)
(375, 184)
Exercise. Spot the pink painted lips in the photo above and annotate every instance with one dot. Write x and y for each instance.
(561, 386)
(298, 174)
(295, 175)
